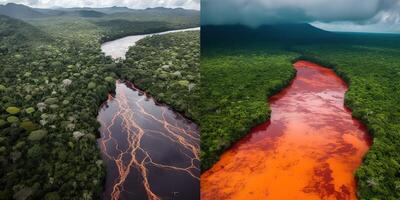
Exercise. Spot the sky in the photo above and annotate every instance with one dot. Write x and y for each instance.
(139, 4)
(333, 15)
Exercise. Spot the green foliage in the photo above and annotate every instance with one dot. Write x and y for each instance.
(15, 34)
(12, 119)
(2, 122)
(115, 25)
(91, 85)
(37, 135)
(13, 110)
(109, 79)
(29, 126)
(167, 66)
(35, 153)
(30, 110)
(118, 28)
(52, 196)
(44, 99)
(234, 91)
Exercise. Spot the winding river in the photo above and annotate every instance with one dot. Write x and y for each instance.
(150, 151)
(118, 48)
(309, 149)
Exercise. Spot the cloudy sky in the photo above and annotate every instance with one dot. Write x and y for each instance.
(189, 4)
(336, 15)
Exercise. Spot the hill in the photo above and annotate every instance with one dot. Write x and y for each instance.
(20, 11)
(106, 10)
(214, 35)
(14, 33)
(88, 13)
(24, 12)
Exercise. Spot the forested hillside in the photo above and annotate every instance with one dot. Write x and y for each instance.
(102, 24)
(16, 33)
(20, 11)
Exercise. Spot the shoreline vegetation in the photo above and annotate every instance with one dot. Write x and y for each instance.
(53, 80)
(368, 63)
(173, 78)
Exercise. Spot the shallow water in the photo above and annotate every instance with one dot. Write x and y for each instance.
(309, 149)
(150, 151)
(118, 48)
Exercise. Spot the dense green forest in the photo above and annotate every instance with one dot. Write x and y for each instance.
(52, 82)
(167, 66)
(50, 94)
(15, 34)
(369, 63)
(102, 23)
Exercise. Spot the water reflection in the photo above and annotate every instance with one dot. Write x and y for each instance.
(150, 151)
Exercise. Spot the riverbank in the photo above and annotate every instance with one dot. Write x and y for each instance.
(141, 138)
(172, 79)
(309, 149)
(174, 76)
(119, 47)
(235, 87)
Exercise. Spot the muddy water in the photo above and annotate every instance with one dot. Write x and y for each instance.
(150, 151)
(309, 149)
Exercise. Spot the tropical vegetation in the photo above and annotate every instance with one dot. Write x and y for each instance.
(167, 66)
(53, 79)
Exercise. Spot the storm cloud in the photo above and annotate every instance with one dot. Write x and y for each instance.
(188, 4)
(336, 13)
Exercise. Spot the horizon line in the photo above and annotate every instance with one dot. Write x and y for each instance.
(132, 8)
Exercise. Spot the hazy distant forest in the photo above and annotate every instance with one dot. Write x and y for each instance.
(54, 77)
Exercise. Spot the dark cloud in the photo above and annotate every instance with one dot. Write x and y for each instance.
(257, 12)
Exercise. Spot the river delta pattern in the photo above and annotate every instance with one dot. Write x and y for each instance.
(150, 151)
(309, 149)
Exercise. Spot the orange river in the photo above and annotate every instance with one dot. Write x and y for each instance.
(309, 149)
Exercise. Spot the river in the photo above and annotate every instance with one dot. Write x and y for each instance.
(151, 152)
(118, 48)
(308, 150)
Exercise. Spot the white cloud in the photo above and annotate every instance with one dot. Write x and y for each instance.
(353, 27)
(188, 4)
(387, 20)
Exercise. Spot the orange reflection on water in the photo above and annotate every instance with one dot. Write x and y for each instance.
(309, 149)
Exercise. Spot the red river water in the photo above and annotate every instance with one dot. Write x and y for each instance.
(309, 149)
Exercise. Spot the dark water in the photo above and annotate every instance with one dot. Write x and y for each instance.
(309, 149)
(150, 151)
